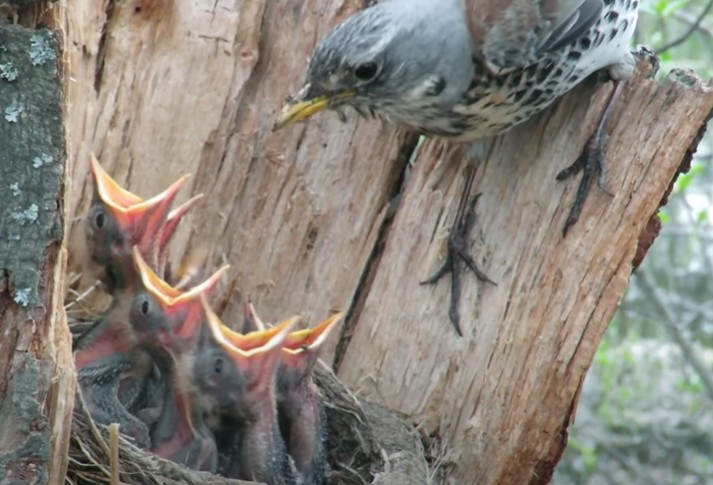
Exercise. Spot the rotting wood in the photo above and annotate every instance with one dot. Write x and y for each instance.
(301, 215)
(36, 372)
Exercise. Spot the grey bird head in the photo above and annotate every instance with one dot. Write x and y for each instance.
(406, 60)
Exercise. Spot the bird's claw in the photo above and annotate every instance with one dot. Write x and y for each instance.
(589, 162)
(457, 249)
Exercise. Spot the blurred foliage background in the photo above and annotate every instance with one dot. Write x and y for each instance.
(645, 415)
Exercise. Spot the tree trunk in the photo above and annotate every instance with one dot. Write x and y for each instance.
(36, 373)
(161, 88)
(504, 395)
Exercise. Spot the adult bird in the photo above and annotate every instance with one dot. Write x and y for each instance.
(465, 74)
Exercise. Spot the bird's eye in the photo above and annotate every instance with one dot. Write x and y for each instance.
(144, 307)
(366, 71)
(97, 217)
(100, 220)
(218, 365)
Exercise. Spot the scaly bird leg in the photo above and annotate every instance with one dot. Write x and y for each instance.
(458, 250)
(591, 161)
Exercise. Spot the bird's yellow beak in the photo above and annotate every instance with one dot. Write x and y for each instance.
(299, 110)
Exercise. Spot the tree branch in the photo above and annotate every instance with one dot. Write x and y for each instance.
(691, 30)
(669, 322)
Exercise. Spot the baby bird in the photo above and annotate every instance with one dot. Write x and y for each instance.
(169, 323)
(299, 407)
(115, 377)
(238, 373)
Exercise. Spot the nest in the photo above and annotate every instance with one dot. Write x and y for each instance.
(366, 444)
(100, 454)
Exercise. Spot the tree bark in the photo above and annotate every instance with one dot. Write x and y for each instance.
(173, 86)
(36, 372)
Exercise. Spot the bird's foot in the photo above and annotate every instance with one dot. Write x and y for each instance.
(591, 162)
(644, 53)
(457, 252)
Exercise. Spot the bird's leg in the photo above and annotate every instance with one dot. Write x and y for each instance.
(591, 160)
(457, 250)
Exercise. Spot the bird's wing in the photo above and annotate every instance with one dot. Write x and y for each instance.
(508, 34)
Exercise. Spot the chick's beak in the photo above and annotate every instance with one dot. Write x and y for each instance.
(303, 107)
(108, 190)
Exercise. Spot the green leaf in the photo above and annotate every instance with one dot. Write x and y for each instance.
(684, 181)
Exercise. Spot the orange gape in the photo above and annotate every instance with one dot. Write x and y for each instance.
(193, 262)
(181, 311)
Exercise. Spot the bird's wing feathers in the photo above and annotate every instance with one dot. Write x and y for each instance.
(514, 33)
(572, 26)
